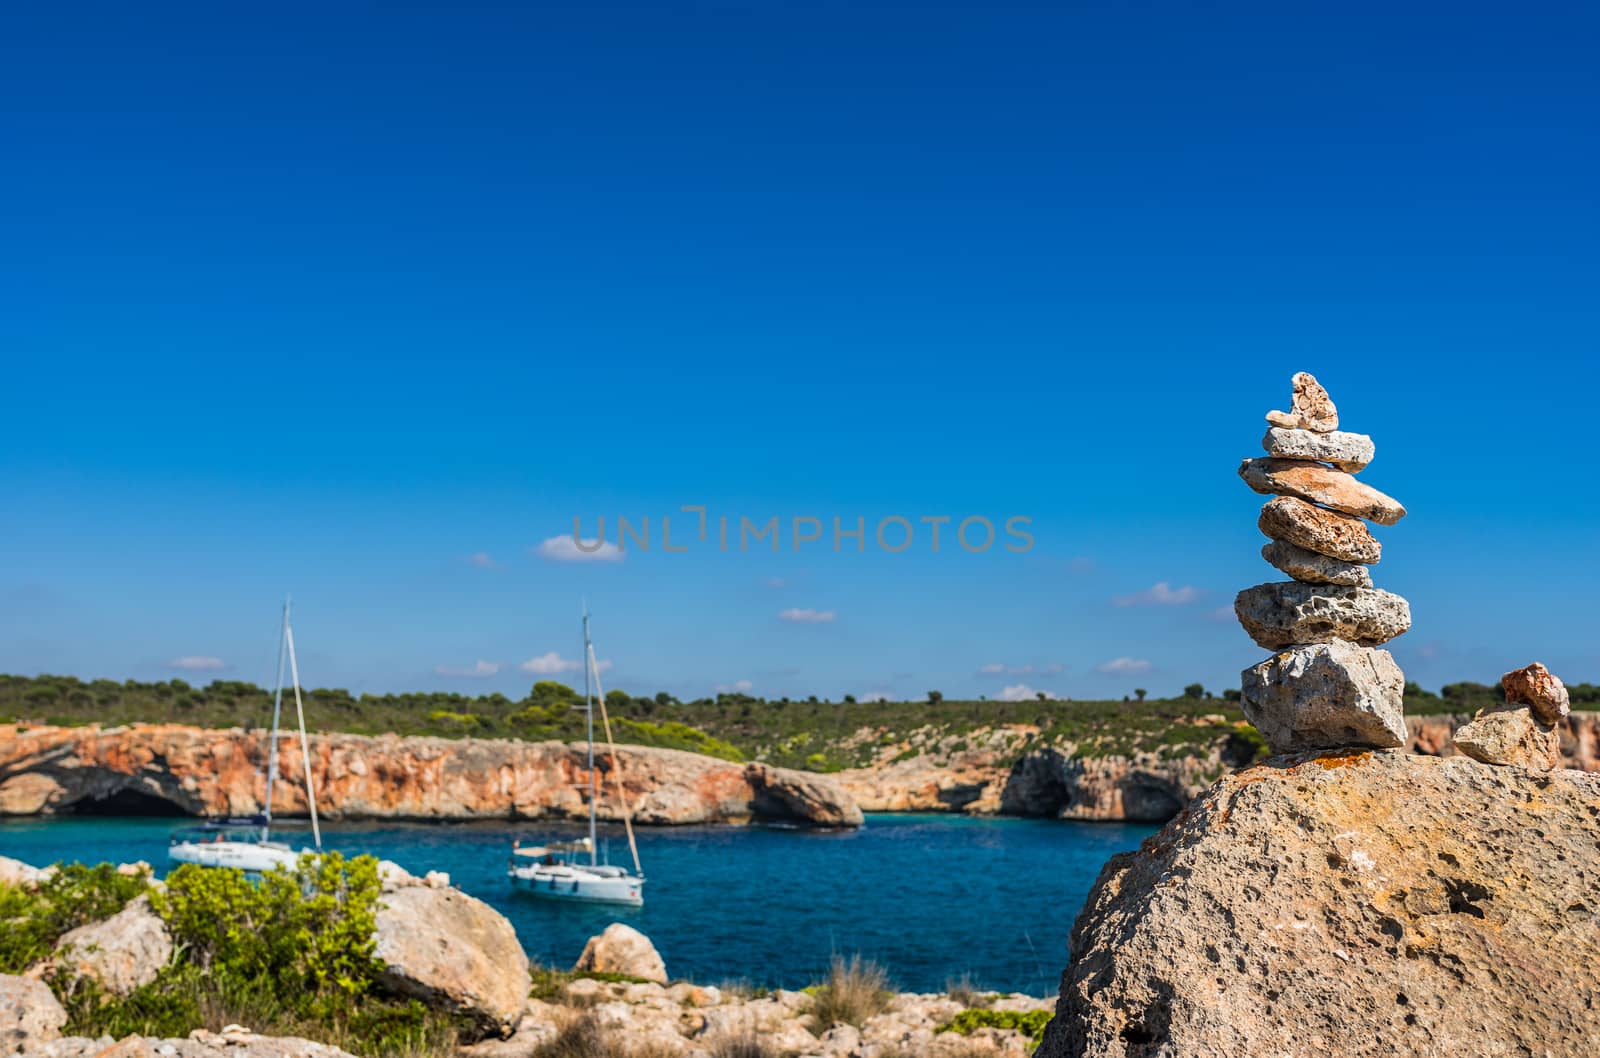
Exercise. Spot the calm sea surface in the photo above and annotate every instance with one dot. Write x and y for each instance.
(929, 897)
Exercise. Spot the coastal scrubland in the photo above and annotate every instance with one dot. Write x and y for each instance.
(811, 733)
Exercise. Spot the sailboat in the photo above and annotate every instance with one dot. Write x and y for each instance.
(572, 870)
(246, 844)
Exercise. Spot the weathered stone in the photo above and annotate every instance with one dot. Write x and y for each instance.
(1510, 734)
(1538, 688)
(1364, 905)
(122, 953)
(621, 949)
(1320, 484)
(1313, 568)
(1341, 536)
(1311, 408)
(1347, 451)
(1287, 613)
(29, 1014)
(15, 872)
(232, 1042)
(1326, 696)
(453, 952)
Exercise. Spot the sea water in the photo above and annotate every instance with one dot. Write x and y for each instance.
(931, 898)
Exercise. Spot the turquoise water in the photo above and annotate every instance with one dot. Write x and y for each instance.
(929, 897)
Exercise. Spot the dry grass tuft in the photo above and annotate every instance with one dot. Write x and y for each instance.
(854, 991)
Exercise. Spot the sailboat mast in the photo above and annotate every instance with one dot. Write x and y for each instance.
(588, 710)
(305, 745)
(277, 710)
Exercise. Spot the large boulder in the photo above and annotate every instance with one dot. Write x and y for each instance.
(621, 949)
(121, 953)
(1354, 904)
(455, 953)
(30, 1016)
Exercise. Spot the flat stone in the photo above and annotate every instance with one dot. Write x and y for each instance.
(1319, 484)
(1310, 409)
(1326, 696)
(1510, 735)
(1347, 451)
(1289, 613)
(1536, 687)
(1341, 536)
(1309, 566)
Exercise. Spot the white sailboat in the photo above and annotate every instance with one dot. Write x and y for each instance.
(246, 844)
(557, 870)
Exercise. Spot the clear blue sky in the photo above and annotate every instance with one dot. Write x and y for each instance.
(328, 299)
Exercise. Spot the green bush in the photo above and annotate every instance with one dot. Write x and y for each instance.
(73, 896)
(1031, 1022)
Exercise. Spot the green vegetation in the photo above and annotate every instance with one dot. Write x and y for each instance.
(73, 896)
(1031, 1022)
(855, 990)
(291, 955)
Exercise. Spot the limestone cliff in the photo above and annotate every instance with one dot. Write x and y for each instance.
(196, 771)
(1353, 903)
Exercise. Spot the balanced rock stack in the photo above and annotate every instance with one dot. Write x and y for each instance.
(1328, 686)
(1523, 730)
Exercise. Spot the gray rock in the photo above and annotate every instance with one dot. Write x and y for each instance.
(1326, 696)
(1316, 483)
(1287, 613)
(30, 1016)
(1347, 451)
(123, 952)
(231, 1042)
(455, 953)
(1363, 905)
(1510, 735)
(1313, 568)
(1341, 536)
(621, 949)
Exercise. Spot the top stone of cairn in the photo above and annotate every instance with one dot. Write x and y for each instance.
(1310, 408)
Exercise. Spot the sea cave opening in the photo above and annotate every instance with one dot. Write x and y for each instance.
(127, 802)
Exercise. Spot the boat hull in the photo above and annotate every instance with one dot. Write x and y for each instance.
(249, 856)
(578, 887)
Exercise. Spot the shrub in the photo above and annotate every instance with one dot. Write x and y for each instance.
(854, 991)
(73, 896)
(1031, 1022)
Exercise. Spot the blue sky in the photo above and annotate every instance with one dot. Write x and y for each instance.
(332, 299)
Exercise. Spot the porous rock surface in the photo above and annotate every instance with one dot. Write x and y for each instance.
(1310, 407)
(1510, 735)
(621, 949)
(1541, 690)
(1288, 613)
(1358, 904)
(1341, 536)
(29, 1014)
(453, 952)
(1313, 568)
(1347, 451)
(123, 952)
(1326, 695)
(1319, 484)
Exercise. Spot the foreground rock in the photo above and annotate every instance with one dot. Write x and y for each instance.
(1347, 451)
(621, 949)
(30, 1016)
(121, 953)
(1313, 568)
(1341, 536)
(1326, 695)
(15, 872)
(1288, 613)
(233, 1041)
(1337, 905)
(1510, 735)
(453, 952)
(1539, 689)
(1319, 484)
(45, 770)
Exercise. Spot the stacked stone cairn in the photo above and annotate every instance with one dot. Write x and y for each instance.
(1327, 686)
(1521, 732)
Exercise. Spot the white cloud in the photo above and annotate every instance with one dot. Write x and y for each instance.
(479, 670)
(776, 582)
(1021, 692)
(482, 560)
(197, 663)
(807, 617)
(738, 686)
(1124, 667)
(1159, 594)
(553, 664)
(565, 549)
(1054, 669)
